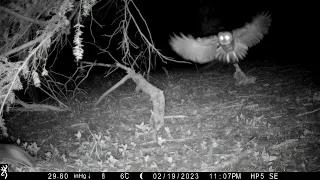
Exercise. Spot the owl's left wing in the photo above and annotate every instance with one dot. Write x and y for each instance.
(200, 50)
(252, 33)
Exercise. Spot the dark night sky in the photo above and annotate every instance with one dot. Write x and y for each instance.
(165, 17)
(184, 16)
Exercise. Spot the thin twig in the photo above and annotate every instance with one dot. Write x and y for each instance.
(309, 112)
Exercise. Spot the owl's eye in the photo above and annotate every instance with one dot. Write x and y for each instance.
(227, 37)
(221, 38)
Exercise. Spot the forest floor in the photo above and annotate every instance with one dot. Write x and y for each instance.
(210, 125)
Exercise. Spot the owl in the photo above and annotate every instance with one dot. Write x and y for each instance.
(227, 46)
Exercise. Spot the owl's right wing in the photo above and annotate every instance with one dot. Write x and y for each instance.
(200, 50)
(252, 33)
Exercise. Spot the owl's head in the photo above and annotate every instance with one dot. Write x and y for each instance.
(225, 38)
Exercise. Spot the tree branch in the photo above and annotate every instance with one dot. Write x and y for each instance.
(19, 16)
(30, 43)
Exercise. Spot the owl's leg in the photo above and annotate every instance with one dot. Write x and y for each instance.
(239, 75)
(241, 78)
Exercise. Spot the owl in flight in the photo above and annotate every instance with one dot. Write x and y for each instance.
(228, 47)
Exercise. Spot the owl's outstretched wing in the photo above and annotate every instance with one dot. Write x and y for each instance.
(252, 33)
(200, 50)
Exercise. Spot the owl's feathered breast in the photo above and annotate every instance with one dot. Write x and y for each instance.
(228, 47)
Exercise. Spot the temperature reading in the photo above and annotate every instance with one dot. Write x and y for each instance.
(124, 175)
